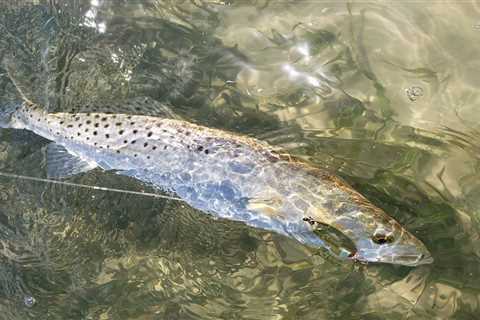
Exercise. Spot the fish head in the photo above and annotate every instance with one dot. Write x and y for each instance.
(361, 230)
(381, 239)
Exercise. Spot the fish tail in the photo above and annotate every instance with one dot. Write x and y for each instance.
(9, 67)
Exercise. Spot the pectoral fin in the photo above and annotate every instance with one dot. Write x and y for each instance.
(62, 164)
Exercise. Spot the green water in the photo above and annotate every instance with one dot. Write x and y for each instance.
(385, 94)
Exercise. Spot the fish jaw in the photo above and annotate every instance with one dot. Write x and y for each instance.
(410, 256)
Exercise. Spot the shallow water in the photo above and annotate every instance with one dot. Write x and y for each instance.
(383, 93)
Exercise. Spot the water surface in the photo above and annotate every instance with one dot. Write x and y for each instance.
(384, 93)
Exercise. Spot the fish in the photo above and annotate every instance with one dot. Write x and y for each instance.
(221, 173)
(224, 174)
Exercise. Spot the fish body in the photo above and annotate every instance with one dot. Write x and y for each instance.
(227, 175)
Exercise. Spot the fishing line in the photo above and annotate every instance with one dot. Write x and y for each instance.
(86, 186)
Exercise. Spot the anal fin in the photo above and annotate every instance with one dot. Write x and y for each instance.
(62, 164)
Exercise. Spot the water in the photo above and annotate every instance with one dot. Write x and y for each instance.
(383, 93)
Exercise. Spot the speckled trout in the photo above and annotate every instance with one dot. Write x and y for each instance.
(220, 173)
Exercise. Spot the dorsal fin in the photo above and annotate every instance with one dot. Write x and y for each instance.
(145, 106)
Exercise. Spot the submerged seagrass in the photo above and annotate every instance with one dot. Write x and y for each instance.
(224, 174)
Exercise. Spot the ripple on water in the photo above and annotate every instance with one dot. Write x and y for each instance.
(385, 95)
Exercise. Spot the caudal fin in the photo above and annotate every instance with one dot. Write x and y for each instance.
(24, 51)
(19, 83)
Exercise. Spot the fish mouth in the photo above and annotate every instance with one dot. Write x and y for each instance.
(405, 259)
(428, 259)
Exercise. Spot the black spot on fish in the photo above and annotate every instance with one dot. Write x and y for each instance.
(86, 129)
(164, 147)
(135, 131)
(133, 142)
(145, 144)
(107, 136)
(61, 122)
(95, 133)
(132, 123)
(207, 151)
(148, 157)
(188, 133)
(125, 141)
(118, 124)
(89, 121)
(200, 148)
(135, 155)
(121, 132)
(104, 119)
(149, 134)
(96, 125)
(118, 151)
(79, 125)
(154, 148)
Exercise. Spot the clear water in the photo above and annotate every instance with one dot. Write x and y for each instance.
(384, 93)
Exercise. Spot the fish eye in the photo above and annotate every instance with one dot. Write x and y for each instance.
(380, 238)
